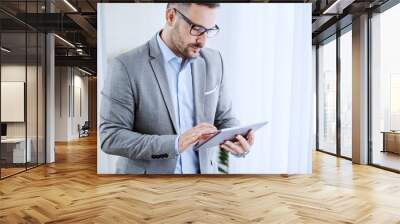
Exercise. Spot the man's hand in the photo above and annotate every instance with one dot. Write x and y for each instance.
(201, 131)
(240, 146)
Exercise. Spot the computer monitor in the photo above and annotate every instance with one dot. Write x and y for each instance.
(3, 129)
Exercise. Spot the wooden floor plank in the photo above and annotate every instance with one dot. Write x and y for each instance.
(70, 191)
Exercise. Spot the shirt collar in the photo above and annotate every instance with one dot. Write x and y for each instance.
(168, 54)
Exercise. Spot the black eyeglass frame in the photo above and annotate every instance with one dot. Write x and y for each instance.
(197, 27)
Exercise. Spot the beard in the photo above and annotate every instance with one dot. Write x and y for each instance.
(187, 50)
(192, 50)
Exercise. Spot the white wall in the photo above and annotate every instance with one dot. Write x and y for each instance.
(61, 103)
(33, 126)
(267, 57)
(80, 84)
(67, 81)
(12, 73)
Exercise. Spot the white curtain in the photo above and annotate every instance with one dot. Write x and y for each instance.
(267, 56)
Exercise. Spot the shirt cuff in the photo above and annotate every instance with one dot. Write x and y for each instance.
(177, 145)
(236, 155)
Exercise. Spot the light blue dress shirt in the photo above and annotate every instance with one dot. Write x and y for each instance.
(181, 89)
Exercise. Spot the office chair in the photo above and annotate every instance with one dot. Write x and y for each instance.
(84, 130)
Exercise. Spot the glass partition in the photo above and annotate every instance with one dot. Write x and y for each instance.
(14, 154)
(31, 100)
(22, 88)
(327, 96)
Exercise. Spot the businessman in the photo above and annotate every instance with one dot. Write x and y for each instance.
(163, 97)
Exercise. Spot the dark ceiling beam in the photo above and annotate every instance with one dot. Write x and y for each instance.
(53, 22)
(338, 16)
(332, 29)
(63, 7)
(381, 6)
(320, 22)
(80, 20)
(16, 18)
(44, 22)
(81, 61)
(337, 7)
(86, 51)
(10, 25)
(86, 26)
(91, 5)
(89, 70)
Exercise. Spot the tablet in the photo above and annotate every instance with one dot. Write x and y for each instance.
(227, 134)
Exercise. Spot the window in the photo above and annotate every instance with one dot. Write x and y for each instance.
(385, 89)
(327, 97)
(346, 93)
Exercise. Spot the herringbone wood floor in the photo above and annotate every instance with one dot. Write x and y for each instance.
(70, 191)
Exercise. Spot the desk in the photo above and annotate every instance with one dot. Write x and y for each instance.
(391, 141)
(13, 150)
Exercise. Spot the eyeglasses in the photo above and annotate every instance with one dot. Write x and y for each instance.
(198, 30)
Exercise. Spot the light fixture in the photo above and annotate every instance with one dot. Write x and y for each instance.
(337, 7)
(80, 51)
(84, 71)
(70, 5)
(5, 50)
(64, 40)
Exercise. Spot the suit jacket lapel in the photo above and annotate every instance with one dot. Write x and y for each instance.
(156, 62)
(199, 85)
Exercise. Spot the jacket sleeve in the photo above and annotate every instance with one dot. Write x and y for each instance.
(224, 117)
(117, 118)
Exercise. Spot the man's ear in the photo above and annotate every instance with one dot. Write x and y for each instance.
(170, 16)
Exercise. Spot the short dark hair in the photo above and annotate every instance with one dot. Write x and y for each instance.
(186, 5)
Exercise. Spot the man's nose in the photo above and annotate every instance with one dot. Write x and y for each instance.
(202, 38)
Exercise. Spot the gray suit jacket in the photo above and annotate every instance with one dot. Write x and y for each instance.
(137, 118)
